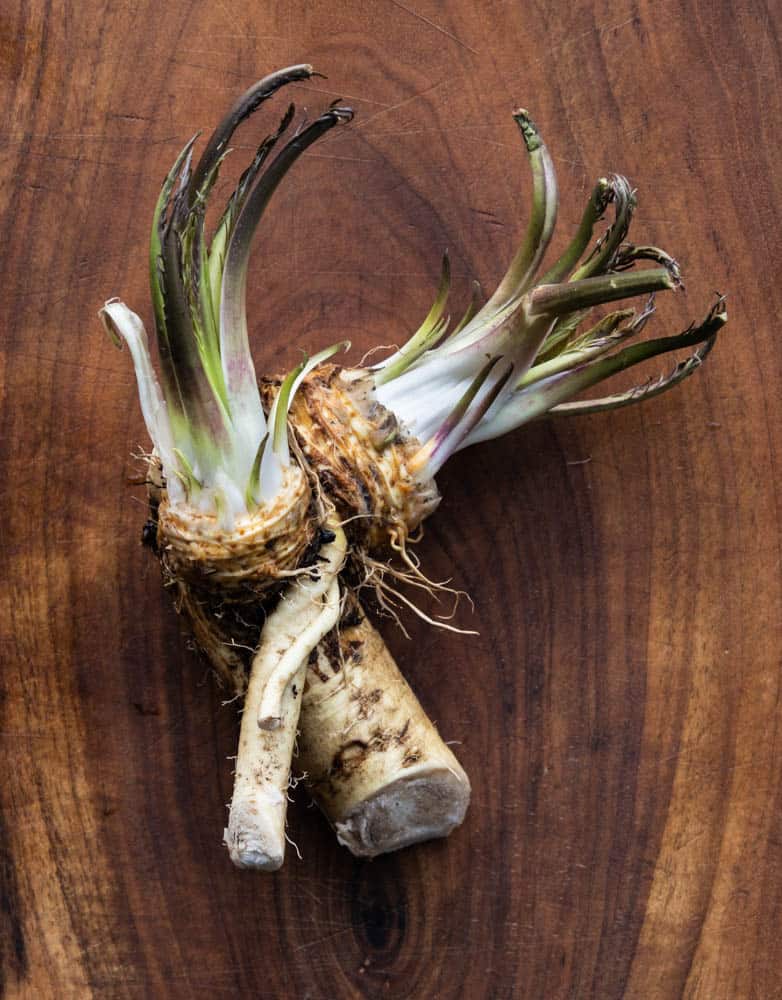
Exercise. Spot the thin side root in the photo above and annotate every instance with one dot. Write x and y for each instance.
(270, 713)
(388, 597)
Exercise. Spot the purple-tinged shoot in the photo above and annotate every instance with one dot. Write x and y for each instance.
(531, 347)
(205, 416)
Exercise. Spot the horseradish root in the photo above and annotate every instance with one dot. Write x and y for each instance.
(532, 347)
(371, 758)
(307, 610)
(248, 475)
(236, 518)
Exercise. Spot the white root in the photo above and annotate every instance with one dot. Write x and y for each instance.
(374, 761)
(308, 609)
(285, 670)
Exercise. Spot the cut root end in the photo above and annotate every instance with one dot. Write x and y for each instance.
(421, 806)
(374, 761)
(255, 835)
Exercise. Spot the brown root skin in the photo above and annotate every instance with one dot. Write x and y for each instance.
(372, 759)
(226, 610)
(355, 447)
(247, 561)
(226, 635)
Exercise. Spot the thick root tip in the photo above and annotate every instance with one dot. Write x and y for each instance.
(254, 839)
(415, 808)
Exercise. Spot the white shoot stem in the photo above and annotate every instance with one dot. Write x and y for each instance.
(255, 835)
(271, 474)
(124, 325)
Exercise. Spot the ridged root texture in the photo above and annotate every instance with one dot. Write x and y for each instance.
(251, 559)
(358, 452)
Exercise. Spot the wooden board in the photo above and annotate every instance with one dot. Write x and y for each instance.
(619, 713)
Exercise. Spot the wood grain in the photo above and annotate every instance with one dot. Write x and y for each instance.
(619, 714)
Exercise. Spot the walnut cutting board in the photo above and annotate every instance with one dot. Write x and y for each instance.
(619, 713)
